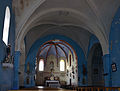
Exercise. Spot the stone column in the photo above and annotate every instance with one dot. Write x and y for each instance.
(16, 70)
(107, 70)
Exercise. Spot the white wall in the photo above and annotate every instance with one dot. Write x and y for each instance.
(40, 76)
(73, 63)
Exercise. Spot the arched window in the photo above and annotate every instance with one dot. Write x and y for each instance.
(6, 25)
(62, 65)
(70, 59)
(41, 65)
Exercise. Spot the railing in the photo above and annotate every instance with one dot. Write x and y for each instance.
(96, 88)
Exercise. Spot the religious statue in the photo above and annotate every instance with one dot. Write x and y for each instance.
(52, 69)
(8, 58)
(51, 66)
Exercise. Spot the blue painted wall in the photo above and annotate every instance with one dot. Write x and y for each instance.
(106, 61)
(31, 57)
(93, 40)
(107, 70)
(16, 70)
(6, 75)
(114, 40)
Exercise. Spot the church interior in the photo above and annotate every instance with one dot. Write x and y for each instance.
(61, 45)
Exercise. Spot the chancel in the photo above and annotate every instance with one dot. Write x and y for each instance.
(53, 61)
(59, 45)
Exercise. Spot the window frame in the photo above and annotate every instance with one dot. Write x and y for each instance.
(6, 27)
(61, 69)
(40, 70)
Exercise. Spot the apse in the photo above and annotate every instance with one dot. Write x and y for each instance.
(56, 64)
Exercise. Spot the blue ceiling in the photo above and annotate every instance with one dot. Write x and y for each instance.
(55, 47)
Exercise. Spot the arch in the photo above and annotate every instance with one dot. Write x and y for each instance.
(31, 57)
(114, 47)
(95, 66)
(106, 63)
(62, 30)
(30, 24)
(29, 13)
(101, 36)
(6, 25)
(92, 41)
(56, 44)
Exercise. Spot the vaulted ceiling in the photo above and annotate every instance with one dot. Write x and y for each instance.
(80, 18)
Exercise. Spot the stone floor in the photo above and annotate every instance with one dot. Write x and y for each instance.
(41, 88)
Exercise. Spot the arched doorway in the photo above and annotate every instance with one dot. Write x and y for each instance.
(95, 66)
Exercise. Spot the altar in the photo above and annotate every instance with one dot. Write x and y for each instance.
(52, 83)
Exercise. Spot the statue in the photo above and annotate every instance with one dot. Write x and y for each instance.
(52, 69)
(8, 58)
(52, 65)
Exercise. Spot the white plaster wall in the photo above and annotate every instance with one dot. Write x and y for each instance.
(47, 73)
(89, 14)
(22, 65)
(73, 63)
(79, 35)
(62, 75)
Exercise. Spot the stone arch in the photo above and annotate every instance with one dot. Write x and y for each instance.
(85, 20)
(29, 13)
(31, 57)
(95, 66)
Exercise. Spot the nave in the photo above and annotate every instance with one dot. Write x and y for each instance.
(68, 44)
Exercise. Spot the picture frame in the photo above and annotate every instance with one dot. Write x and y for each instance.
(114, 67)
